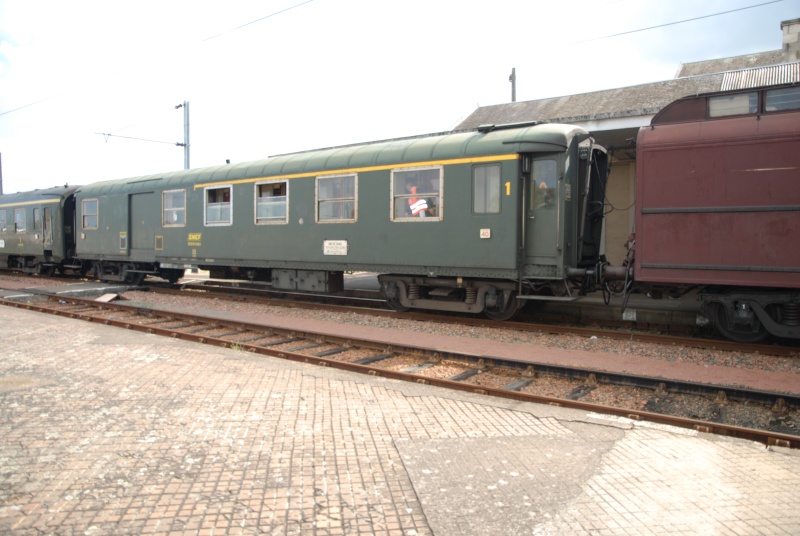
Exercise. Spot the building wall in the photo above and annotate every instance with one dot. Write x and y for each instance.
(620, 196)
(791, 40)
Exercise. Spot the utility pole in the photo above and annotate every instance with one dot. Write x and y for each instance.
(185, 143)
(185, 134)
(513, 80)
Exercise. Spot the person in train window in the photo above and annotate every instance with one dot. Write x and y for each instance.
(544, 196)
(416, 206)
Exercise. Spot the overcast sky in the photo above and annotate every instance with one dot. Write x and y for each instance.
(275, 76)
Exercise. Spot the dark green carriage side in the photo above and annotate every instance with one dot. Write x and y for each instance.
(456, 241)
(346, 209)
(119, 229)
(36, 229)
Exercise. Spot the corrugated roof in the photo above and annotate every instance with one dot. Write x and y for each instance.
(786, 73)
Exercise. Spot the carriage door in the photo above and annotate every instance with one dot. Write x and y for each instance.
(542, 214)
(145, 215)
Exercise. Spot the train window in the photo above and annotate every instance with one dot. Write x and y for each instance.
(47, 226)
(173, 208)
(271, 202)
(337, 198)
(782, 99)
(545, 178)
(37, 220)
(486, 189)
(218, 206)
(89, 213)
(417, 193)
(2, 221)
(737, 104)
(19, 220)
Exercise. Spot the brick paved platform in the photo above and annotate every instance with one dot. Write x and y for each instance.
(106, 431)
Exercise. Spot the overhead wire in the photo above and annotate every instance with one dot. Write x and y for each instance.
(147, 118)
(107, 135)
(202, 41)
(574, 43)
(29, 104)
(676, 22)
(255, 21)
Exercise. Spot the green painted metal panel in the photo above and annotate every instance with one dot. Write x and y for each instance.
(35, 240)
(458, 243)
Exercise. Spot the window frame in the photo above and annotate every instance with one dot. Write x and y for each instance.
(487, 197)
(786, 90)
(752, 109)
(318, 201)
(256, 198)
(180, 212)
(24, 220)
(395, 197)
(95, 214)
(544, 198)
(37, 219)
(47, 227)
(220, 223)
(3, 220)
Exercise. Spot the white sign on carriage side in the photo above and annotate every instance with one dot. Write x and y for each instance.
(335, 247)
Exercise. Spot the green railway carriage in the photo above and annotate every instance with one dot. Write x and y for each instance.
(469, 221)
(36, 230)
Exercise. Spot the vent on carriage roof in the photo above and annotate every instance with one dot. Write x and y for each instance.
(784, 73)
(507, 126)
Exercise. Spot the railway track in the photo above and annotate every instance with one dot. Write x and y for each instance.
(373, 304)
(696, 406)
(553, 324)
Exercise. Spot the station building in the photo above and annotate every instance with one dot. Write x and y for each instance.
(614, 116)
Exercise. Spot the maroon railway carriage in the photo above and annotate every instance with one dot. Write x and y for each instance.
(718, 205)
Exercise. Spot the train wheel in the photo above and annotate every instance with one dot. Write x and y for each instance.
(512, 306)
(392, 295)
(171, 274)
(134, 279)
(745, 334)
(395, 304)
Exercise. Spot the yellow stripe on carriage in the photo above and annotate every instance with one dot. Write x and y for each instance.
(326, 173)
